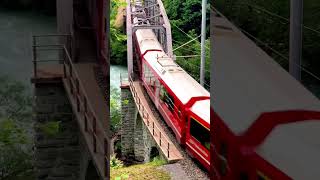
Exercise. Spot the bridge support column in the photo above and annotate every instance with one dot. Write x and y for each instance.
(57, 153)
(63, 154)
(136, 140)
(139, 149)
(128, 117)
(150, 146)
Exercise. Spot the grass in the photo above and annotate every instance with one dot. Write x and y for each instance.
(148, 171)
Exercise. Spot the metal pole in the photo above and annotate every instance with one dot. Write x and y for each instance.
(296, 21)
(129, 40)
(203, 41)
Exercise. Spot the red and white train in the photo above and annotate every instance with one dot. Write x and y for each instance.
(265, 123)
(183, 102)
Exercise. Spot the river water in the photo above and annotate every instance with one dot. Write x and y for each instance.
(16, 30)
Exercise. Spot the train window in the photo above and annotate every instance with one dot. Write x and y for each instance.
(243, 176)
(261, 176)
(166, 98)
(223, 150)
(105, 24)
(169, 101)
(162, 91)
(201, 133)
(148, 76)
(179, 112)
(223, 158)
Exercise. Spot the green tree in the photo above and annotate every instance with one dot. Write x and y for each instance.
(115, 110)
(185, 19)
(269, 22)
(15, 135)
(117, 36)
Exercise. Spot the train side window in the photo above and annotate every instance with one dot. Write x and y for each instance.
(179, 112)
(223, 150)
(162, 92)
(105, 24)
(149, 77)
(145, 71)
(223, 159)
(201, 133)
(261, 176)
(244, 176)
(169, 101)
(167, 98)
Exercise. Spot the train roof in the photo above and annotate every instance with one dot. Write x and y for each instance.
(247, 82)
(178, 80)
(203, 109)
(294, 149)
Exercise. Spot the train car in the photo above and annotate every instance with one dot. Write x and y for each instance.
(183, 103)
(265, 123)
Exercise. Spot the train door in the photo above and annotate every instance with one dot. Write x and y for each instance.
(198, 141)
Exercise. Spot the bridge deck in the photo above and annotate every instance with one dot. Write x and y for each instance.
(167, 147)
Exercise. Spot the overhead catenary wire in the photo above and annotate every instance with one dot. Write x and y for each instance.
(194, 65)
(186, 43)
(256, 7)
(190, 56)
(187, 56)
(272, 49)
(188, 35)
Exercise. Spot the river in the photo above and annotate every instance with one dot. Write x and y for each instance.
(16, 30)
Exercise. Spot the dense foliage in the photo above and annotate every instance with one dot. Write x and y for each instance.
(15, 135)
(117, 36)
(185, 18)
(150, 171)
(268, 21)
(115, 111)
(183, 15)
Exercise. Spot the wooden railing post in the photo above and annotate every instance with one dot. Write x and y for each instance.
(153, 128)
(168, 150)
(94, 124)
(78, 103)
(34, 46)
(85, 105)
(64, 64)
(160, 138)
(85, 123)
(106, 153)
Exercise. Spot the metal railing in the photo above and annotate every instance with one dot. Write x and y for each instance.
(97, 131)
(51, 45)
(124, 80)
(160, 139)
